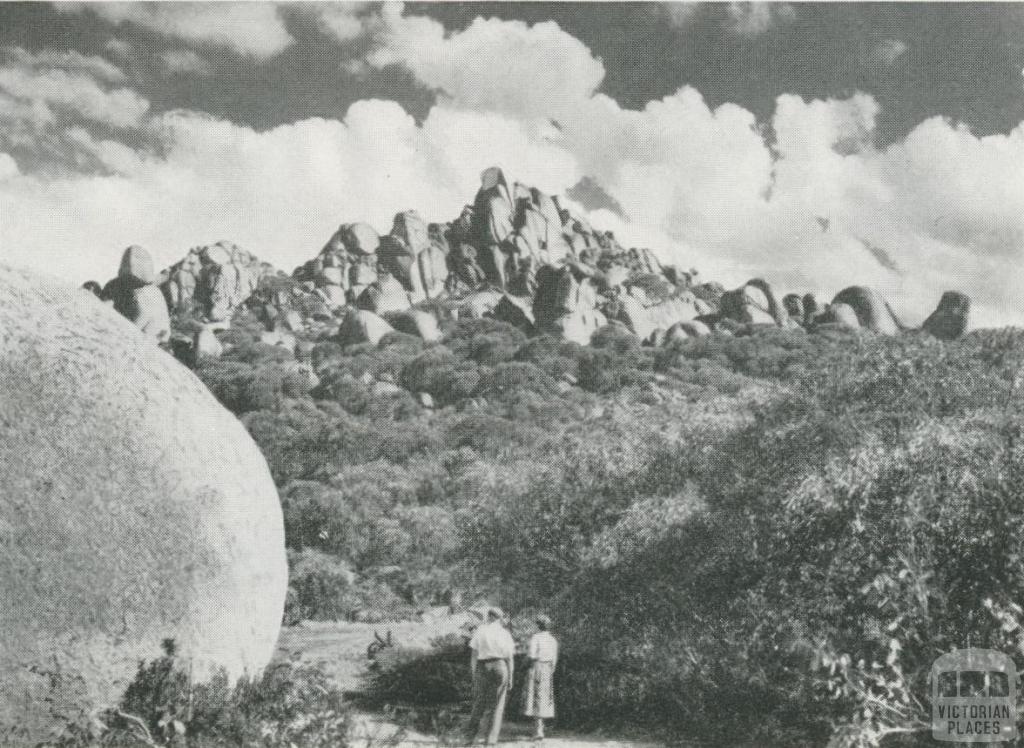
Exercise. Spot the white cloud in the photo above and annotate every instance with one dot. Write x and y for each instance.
(76, 92)
(249, 28)
(8, 167)
(47, 100)
(499, 66)
(70, 60)
(184, 61)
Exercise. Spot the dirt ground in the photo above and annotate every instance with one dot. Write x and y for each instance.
(339, 649)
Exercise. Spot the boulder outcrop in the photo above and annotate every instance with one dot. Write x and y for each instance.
(754, 303)
(362, 326)
(951, 317)
(383, 296)
(211, 282)
(873, 312)
(135, 509)
(526, 257)
(135, 296)
(419, 323)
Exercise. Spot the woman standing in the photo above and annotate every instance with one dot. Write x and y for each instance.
(540, 694)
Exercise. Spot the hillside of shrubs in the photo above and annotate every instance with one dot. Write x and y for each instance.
(751, 540)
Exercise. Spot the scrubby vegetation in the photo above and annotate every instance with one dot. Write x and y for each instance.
(758, 540)
(289, 706)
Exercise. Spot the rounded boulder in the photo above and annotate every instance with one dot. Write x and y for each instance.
(135, 509)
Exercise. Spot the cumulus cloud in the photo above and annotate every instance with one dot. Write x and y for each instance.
(500, 66)
(253, 29)
(806, 199)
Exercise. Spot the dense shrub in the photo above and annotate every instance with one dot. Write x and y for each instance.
(485, 341)
(443, 375)
(512, 379)
(609, 370)
(555, 357)
(320, 587)
(288, 706)
(434, 677)
(229, 381)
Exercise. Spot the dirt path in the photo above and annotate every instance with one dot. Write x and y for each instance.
(339, 649)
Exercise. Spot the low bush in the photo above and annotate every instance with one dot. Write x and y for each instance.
(608, 370)
(288, 706)
(321, 587)
(485, 341)
(424, 677)
(553, 356)
(443, 375)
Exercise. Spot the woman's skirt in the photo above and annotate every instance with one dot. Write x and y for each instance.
(540, 694)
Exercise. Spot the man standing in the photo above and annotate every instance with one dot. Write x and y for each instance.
(492, 661)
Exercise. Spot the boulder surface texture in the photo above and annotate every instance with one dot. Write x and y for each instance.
(134, 509)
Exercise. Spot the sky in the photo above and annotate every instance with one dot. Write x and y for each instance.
(818, 145)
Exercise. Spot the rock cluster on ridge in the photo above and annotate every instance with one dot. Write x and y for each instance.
(212, 281)
(514, 254)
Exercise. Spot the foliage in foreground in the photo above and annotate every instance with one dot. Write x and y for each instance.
(289, 706)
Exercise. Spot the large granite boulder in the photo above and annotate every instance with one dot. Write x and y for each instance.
(396, 258)
(516, 311)
(466, 273)
(839, 315)
(412, 230)
(493, 216)
(362, 326)
(479, 304)
(951, 317)
(357, 238)
(577, 327)
(432, 264)
(643, 319)
(135, 297)
(872, 311)
(137, 265)
(754, 303)
(384, 296)
(135, 509)
(686, 330)
(417, 322)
